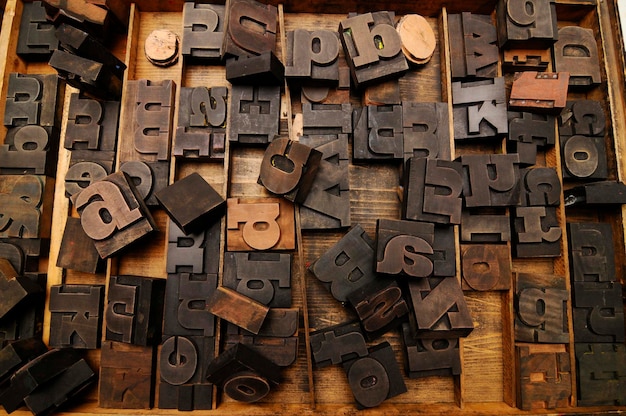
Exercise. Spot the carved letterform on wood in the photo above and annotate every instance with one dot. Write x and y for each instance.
(15, 290)
(485, 267)
(430, 357)
(282, 351)
(242, 216)
(82, 174)
(327, 118)
(196, 253)
(537, 232)
(592, 256)
(479, 109)
(184, 310)
(576, 52)
(24, 253)
(582, 117)
(250, 28)
(601, 374)
(25, 202)
(337, 344)
(491, 180)
(264, 69)
(238, 309)
(148, 178)
(539, 91)
(17, 354)
(32, 99)
(312, 55)
(254, 114)
(29, 149)
(526, 23)
(95, 16)
(473, 48)
(92, 124)
(541, 187)
(153, 115)
(584, 157)
(598, 312)
(596, 193)
(76, 316)
(425, 129)
(517, 60)
(402, 247)
(203, 31)
(529, 131)
(485, 228)
(78, 251)
(36, 39)
(381, 136)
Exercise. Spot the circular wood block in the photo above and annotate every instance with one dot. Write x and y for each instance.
(161, 47)
(418, 38)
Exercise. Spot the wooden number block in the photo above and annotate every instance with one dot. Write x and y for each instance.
(539, 91)
(402, 248)
(576, 52)
(596, 193)
(76, 316)
(432, 191)
(194, 253)
(264, 277)
(348, 265)
(250, 28)
(134, 312)
(582, 117)
(527, 132)
(485, 228)
(281, 351)
(491, 180)
(473, 46)
(545, 379)
(521, 59)
(337, 344)
(312, 55)
(29, 149)
(439, 308)
(584, 157)
(373, 48)
(430, 357)
(17, 354)
(264, 69)
(541, 186)
(327, 118)
(91, 124)
(25, 205)
(36, 39)
(541, 306)
(537, 232)
(601, 374)
(238, 309)
(184, 309)
(148, 178)
(327, 205)
(32, 99)
(526, 23)
(243, 215)
(592, 256)
(126, 376)
(112, 214)
(289, 168)
(598, 312)
(378, 133)
(254, 114)
(203, 31)
(479, 109)
(425, 130)
(77, 250)
(485, 267)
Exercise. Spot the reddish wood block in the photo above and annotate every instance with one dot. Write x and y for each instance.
(539, 91)
(485, 267)
(238, 309)
(545, 379)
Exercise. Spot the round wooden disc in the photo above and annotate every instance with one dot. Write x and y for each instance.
(161, 47)
(418, 38)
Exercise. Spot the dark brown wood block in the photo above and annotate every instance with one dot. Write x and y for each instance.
(537, 232)
(491, 180)
(596, 193)
(264, 69)
(195, 253)
(539, 91)
(91, 124)
(77, 250)
(31, 100)
(479, 109)
(527, 133)
(327, 118)
(187, 397)
(29, 149)
(281, 351)
(184, 310)
(402, 248)
(584, 64)
(598, 312)
(250, 28)
(473, 46)
(378, 133)
(14, 255)
(15, 289)
(430, 357)
(526, 23)
(601, 374)
(485, 267)
(280, 322)
(312, 55)
(17, 354)
(592, 255)
(25, 205)
(425, 129)
(203, 31)
(337, 344)
(584, 157)
(521, 59)
(582, 117)
(254, 114)
(148, 178)
(24, 253)
(444, 251)
(99, 17)
(238, 309)
(383, 93)
(541, 186)
(36, 39)
(485, 228)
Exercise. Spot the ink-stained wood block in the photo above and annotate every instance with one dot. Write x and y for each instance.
(430, 357)
(539, 91)
(126, 376)
(545, 379)
(184, 309)
(186, 397)
(28, 323)
(25, 206)
(479, 109)
(402, 248)
(353, 255)
(601, 374)
(312, 55)
(439, 308)
(592, 255)
(264, 69)
(596, 193)
(598, 312)
(36, 39)
(91, 124)
(148, 178)
(473, 46)
(254, 114)
(373, 48)
(134, 310)
(432, 191)
(444, 251)
(524, 23)
(584, 157)
(281, 351)
(576, 52)
(375, 378)
(541, 187)
(522, 59)
(378, 133)
(485, 267)
(528, 132)
(425, 130)
(337, 344)
(29, 149)
(251, 28)
(112, 214)
(98, 17)
(238, 309)
(196, 253)
(541, 303)
(485, 228)
(17, 354)
(280, 322)
(491, 180)
(243, 213)
(32, 99)
(327, 118)
(264, 277)
(77, 251)
(537, 232)
(383, 93)
(203, 31)
(24, 253)
(81, 175)
(582, 117)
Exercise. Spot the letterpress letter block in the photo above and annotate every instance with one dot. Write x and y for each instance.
(203, 31)
(526, 23)
(383, 138)
(76, 316)
(196, 253)
(582, 117)
(601, 374)
(529, 131)
(260, 224)
(36, 40)
(77, 250)
(542, 187)
(312, 55)
(539, 91)
(15, 289)
(596, 193)
(254, 114)
(545, 379)
(264, 69)
(29, 149)
(25, 202)
(517, 60)
(148, 178)
(430, 357)
(91, 124)
(537, 232)
(598, 312)
(327, 118)
(112, 214)
(82, 174)
(402, 248)
(184, 310)
(485, 267)
(576, 52)
(473, 48)
(491, 180)
(541, 305)
(17, 354)
(485, 228)
(592, 257)
(153, 115)
(584, 157)
(282, 351)
(250, 28)
(479, 109)
(31, 99)
(337, 344)
(238, 309)
(425, 131)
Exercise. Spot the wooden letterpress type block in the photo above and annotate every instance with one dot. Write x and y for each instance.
(17, 354)
(25, 202)
(440, 309)
(250, 28)
(187, 397)
(381, 136)
(539, 91)
(521, 59)
(425, 131)
(16, 291)
(148, 178)
(526, 23)
(373, 48)
(280, 322)
(430, 357)
(584, 157)
(99, 17)
(264, 69)
(32, 99)
(485, 267)
(29, 149)
(81, 175)
(126, 376)
(491, 180)
(383, 93)
(337, 344)
(312, 55)
(479, 109)
(598, 312)
(375, 378)
(112, 214)
(134, 312)
(596, 193)
(327, 118)
(485, 228)
(601, 374)
(238, 309)
(36, 39)
(327, 205)
(541, 186)
(243, 214)
(14, 256)
(402, 247)
(254, 114)
(154, 110)
(545, 379)
(592, 256)
(527, 132)
(432, 191)
(444, 252)
(77, 250)
(203, 31)
(473, 48)
(184, 310)
(537, 232)
(583, 65)
(264, 277)
(582, 117)
(24, 253)
(194, 253)
(281, 351)
(348, 265)
(91, 124)
(541, 306)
